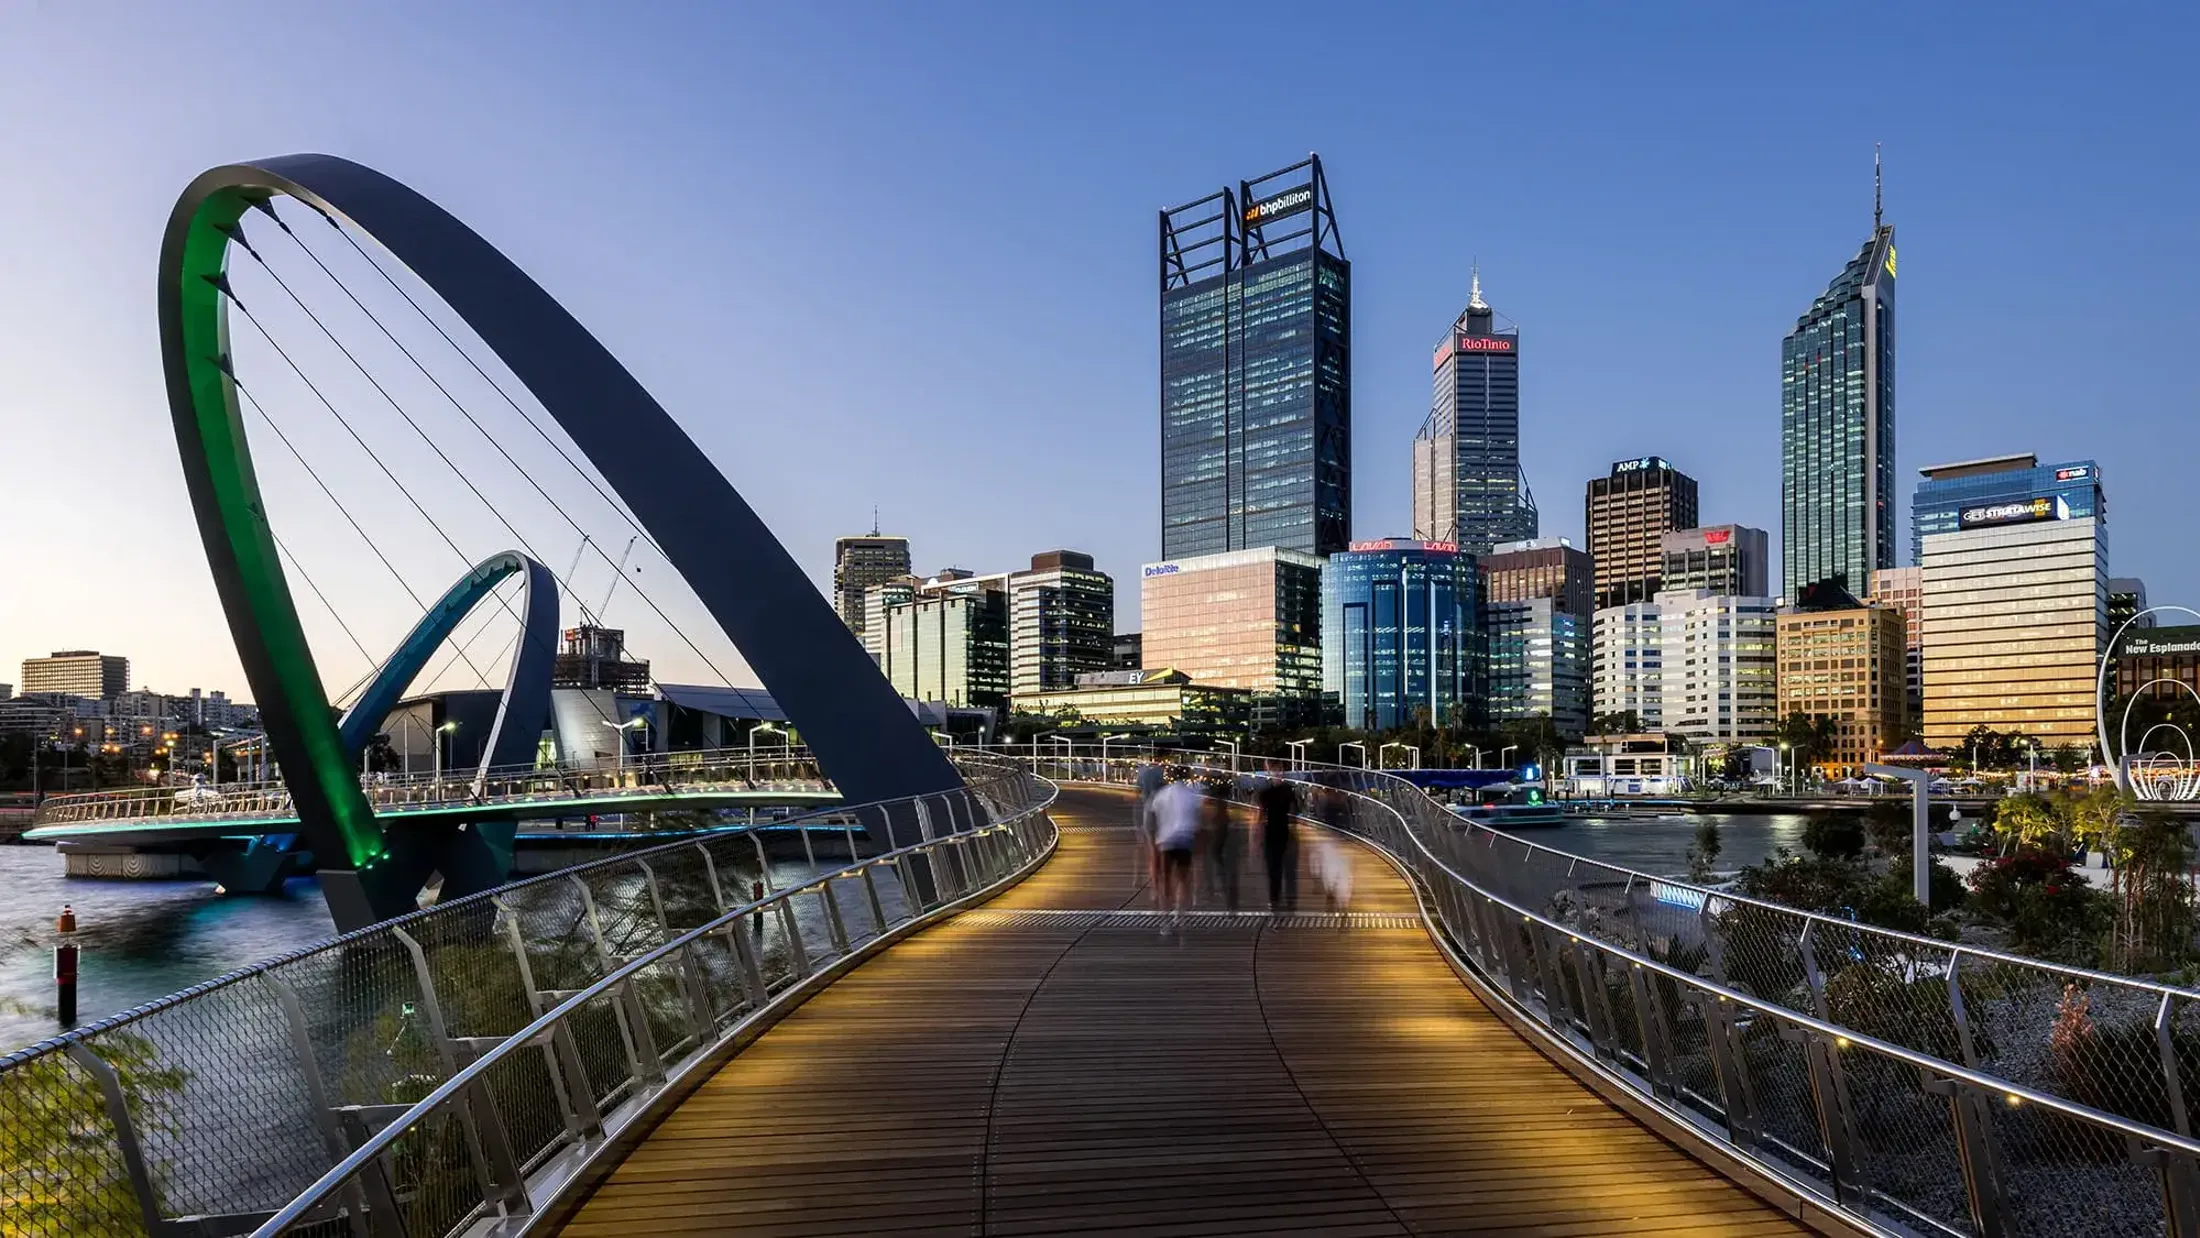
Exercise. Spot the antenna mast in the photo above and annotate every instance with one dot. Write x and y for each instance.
(1878, 196)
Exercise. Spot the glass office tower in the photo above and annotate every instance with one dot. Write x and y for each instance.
(1401, 638)
(1467, 485)
(1949, 489)
(1837, 427)
(1256, 370)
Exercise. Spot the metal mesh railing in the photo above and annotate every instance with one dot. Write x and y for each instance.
(724, 770)
(1919, 1085)
(211, 1109)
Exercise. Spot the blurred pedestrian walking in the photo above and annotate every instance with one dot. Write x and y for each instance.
(1222, 843)
(1179, 809)
(1277, 801)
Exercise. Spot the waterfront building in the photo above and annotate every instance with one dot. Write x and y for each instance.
(1903, 588)
(949, 644)
(1061, 622)
(1690, 662)
(860, 562)
(1538, 665)
(1536, 618)
(1627, 659)
(1949, 490)
(1158, 700)
(878, 600)
(1468, 488)
(1720, 558)
(77, 672)
(1401, 636)
(1129, 653)
(2016, 613)
(1629, 512)
(1848, 665)
(1837, 422)
(1247, 619)
(1543, 567)
(2127, 596)
(1256, 370)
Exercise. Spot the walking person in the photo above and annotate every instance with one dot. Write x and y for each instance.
(1147, 864)
(1178, 810)
(1222, 843)
(1278, 802)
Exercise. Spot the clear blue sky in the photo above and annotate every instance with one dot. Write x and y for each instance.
(903, 254)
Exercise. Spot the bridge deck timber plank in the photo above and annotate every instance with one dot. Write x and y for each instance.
(1023, 1075)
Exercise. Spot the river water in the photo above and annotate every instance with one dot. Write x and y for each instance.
(1659, 845)
(143, 940)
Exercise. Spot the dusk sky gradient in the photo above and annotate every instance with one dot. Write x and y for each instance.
(903, 255)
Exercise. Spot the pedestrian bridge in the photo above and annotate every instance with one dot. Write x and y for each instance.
(1050, 1062)
(724, 778)
(986, 1032)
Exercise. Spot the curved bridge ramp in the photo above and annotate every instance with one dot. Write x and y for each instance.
(1051, 1063)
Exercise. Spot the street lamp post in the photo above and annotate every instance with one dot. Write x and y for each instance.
(1780, 764)
(1297, 748)
(1105, 740)
(761, 726)
(622, 728)
(440, 733)
(1477, 755)
(1235, 749)
(1352, 743)
(1502, 751)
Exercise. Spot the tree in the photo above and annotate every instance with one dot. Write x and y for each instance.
(1703, 853)
(1834, 836)
(2027, 821)
(1624, 722)
(2153, 889)
(1810, 737)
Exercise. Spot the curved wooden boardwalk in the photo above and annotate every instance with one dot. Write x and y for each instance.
(1038, 1066)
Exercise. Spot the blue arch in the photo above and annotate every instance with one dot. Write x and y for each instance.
(525, 706)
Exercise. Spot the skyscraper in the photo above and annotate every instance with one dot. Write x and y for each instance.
(1628, 511)
(1467, 485)
(1837, 425)
(1724, 558)
(860, 562)
(1061, 622)
(1256, 370)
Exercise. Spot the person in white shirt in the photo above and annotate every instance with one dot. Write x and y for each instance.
(1177, 810)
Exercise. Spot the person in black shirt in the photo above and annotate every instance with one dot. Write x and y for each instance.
(1278, 802)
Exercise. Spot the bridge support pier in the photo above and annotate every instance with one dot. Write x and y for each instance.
(247, 866)
(472, 856)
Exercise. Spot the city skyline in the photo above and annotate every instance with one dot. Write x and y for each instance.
(1722, 240)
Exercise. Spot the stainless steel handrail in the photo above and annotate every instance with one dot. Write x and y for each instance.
(1526, 959)
(534, 1034)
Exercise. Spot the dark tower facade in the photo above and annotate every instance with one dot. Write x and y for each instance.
(1468, 488)
(1837, 426)
(1256, 370)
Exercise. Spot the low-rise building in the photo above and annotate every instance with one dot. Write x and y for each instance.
(1156, 700)
(1690, 662)
(1246, 619)
(1847, 665)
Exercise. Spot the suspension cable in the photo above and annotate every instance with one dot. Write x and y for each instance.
(252, 401)
(358, 644)
(237, 236)
(475, 422)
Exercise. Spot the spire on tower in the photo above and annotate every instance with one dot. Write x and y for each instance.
(1878, 196)
(1474, 297)
(874, 520)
